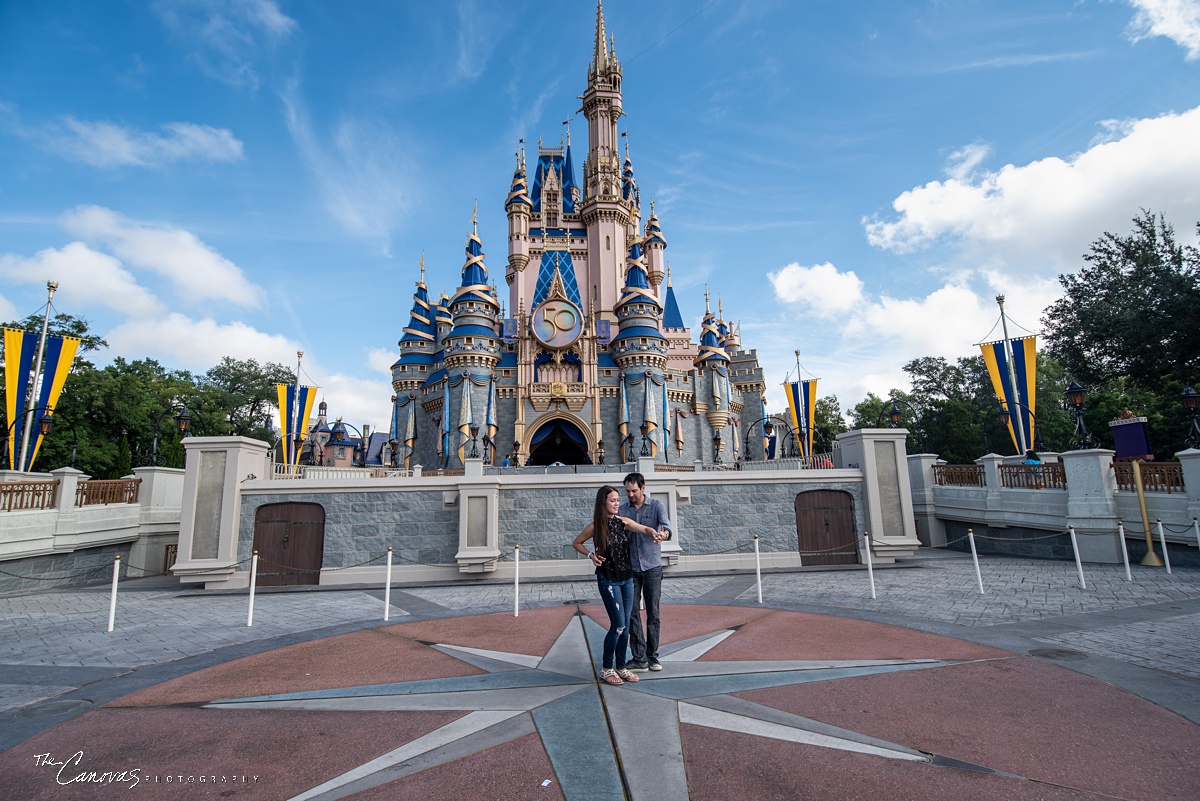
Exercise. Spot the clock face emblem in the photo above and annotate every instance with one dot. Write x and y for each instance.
(557, 323)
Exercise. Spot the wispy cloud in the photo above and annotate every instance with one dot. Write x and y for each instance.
(1177, 20)
(107, 144)
(226, 37)
(363, 175)
(480, 30)
(196, 270)
(87, 278)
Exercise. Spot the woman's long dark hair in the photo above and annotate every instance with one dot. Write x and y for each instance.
(600, 518)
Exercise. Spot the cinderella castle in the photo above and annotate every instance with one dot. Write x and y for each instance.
(594, 363)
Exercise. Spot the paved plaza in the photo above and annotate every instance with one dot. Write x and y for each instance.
(1037, 688)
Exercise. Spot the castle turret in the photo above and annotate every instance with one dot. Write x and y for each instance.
(655, 243)
(519, 207)
(473, 343)
(639, 344)
(418, 345)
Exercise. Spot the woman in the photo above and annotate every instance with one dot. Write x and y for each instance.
(614, 573)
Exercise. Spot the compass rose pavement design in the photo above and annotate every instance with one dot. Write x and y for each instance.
(752, 703)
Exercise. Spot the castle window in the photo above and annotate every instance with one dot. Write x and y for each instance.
(470, 340)
(607, 243)
(506, 373)
(421, 368)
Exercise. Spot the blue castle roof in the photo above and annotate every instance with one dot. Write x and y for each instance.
(562, 165)
(671, 317)
(556, 260)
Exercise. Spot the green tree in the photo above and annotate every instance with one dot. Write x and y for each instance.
(828, 422)
(239, 397)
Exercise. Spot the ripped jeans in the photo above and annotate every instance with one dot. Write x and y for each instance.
(618, 602)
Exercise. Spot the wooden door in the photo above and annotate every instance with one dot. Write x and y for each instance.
(290, 540)
(825, 521)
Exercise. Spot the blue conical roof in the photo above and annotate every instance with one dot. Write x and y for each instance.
(671, 317)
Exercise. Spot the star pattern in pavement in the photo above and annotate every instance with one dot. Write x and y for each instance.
(604, 742)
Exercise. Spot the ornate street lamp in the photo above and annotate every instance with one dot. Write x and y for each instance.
(896, 417)
(628, 446)
(1191, 400)
(717, 449)
(1083, 438)
(474, 429)
(183, 422)
(600, 452)
(1004, 416)
(645, 429)
(394, 447)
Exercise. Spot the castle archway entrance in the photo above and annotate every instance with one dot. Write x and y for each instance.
(558, 440)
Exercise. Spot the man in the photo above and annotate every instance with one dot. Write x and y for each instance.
(646, 556)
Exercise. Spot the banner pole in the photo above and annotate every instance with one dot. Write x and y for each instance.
(1162, 540)
(870, 567)
(1078, 564)
(516, 581)
(757, 568)
(253, 578)
(27, 427)
(387, 592)
(1023, 444)
(1124, 550)
(975, 559)
(112, 601)
(1196, 530)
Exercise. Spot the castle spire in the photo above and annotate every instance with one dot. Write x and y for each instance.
(422, 267)
(601, 49)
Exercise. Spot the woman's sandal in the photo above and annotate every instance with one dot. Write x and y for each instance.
(627, 675)
(610, 676)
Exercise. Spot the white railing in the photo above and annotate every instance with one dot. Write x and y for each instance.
(304, 471)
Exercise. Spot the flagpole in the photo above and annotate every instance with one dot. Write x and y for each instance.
(1012, 378)
(295, 412)
(37, 372)
(802, 424)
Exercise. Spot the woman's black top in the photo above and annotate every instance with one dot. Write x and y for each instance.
(617, 565)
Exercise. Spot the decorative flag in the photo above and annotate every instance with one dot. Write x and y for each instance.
(492, 427)
(20, 349)
(802, 403)
(666, 424)
(623, 424)
(649, 415)
(287, 414)
(410, 434)
(444, 439)
(762, 405)
(1024, 356)
(394, 428)
(464, 417)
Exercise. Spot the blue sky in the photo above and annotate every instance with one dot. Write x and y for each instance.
(855, 180)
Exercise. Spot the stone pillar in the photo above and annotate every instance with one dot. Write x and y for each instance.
(993, 506)
(645, 465)
(478, 527)
(473, 468)
(1091, 507)
(68, 483)
(887, 494)
(930, 530)
(161, 498)
(211, 507)
(1190, 460)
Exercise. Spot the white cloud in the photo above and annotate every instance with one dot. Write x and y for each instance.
(824, 289)
(197, 271)
(478, 34)
(1045, 213)
(1178, 20)
(86, 278)
(226, 36)
(8, 312)
(106, 144)
(962, 163)
(381, 360)
(364, 178)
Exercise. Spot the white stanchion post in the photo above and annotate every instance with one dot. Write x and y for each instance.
(1162, 540)
(870, 567)
(1078, 564)
(1196, 530)
(975, 559)
(1124, 550)
(112, 601)
(387, 592)
(757, 568)
(253, 582)
(516, 581)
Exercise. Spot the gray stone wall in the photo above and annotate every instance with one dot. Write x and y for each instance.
(1016, 541)
(545, 521)
(80, 568)
(726, 516)
(361, 525)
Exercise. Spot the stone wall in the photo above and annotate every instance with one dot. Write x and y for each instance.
(82, 568)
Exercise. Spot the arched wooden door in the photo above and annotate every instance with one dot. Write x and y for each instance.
(290, 540)
(824, 521)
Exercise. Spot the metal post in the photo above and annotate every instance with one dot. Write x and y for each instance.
(1124, 550)
(1162, 540)
(253, 581)
(112, 601)
(1078, 564)
(516, 581)
(33, 385)
(870, 567)
(757, 568)
(1196, 531)
(975, 559)
(387, 592)
(1151, 558)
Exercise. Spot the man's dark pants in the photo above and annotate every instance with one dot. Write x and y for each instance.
(647, 586)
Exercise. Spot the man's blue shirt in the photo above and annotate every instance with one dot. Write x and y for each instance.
(644, 552)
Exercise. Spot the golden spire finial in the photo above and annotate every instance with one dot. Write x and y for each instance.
(474, 218)
(707, 310)
(668, 273)
(422, 265)
(720, 310)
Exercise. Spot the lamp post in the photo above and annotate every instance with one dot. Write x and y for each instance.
(1004, 416)
(1190, 399)
(474, 429)
(45, 425)
(183, 421)
(1083, 438)
(717, 448)
(645, 429)
(394, 447)
(768, 428)
(896, 417)
(628, 446)
(516, 453)
(360, 450)
(600, 452)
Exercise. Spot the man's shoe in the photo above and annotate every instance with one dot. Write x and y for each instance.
(655, 665)
(638, 667)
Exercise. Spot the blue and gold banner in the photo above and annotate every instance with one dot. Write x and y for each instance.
(465, 419)
(493, 427)
(802, 403)
(20, 350)
(288, 418)
(1023, 400)
(650, 416)
(623, 423)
